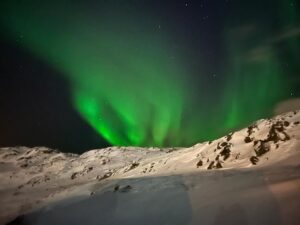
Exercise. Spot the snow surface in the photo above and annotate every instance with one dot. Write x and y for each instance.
(247, 177)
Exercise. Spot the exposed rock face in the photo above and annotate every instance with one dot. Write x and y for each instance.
(34, 177)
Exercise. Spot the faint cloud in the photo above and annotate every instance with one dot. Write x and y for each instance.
(258, 54)
(263, 52)
(290, 33)
(287, 105)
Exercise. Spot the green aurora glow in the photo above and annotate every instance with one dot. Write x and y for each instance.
(130, 83)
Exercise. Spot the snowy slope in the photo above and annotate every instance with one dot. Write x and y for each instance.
(237, 163)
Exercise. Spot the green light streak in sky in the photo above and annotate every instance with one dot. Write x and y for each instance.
(260, 81)
(129, 83)
(125, 83)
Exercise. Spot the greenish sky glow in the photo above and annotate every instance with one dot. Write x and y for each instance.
(132, 85)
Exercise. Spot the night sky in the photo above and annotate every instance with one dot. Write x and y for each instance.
(78, 75)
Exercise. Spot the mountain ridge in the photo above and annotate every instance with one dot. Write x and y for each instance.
(34, 177)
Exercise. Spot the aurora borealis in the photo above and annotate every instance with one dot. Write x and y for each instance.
(159, 73)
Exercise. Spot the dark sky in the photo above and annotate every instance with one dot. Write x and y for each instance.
(78, 75)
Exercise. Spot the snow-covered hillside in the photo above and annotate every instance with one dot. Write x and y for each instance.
(31, 178)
